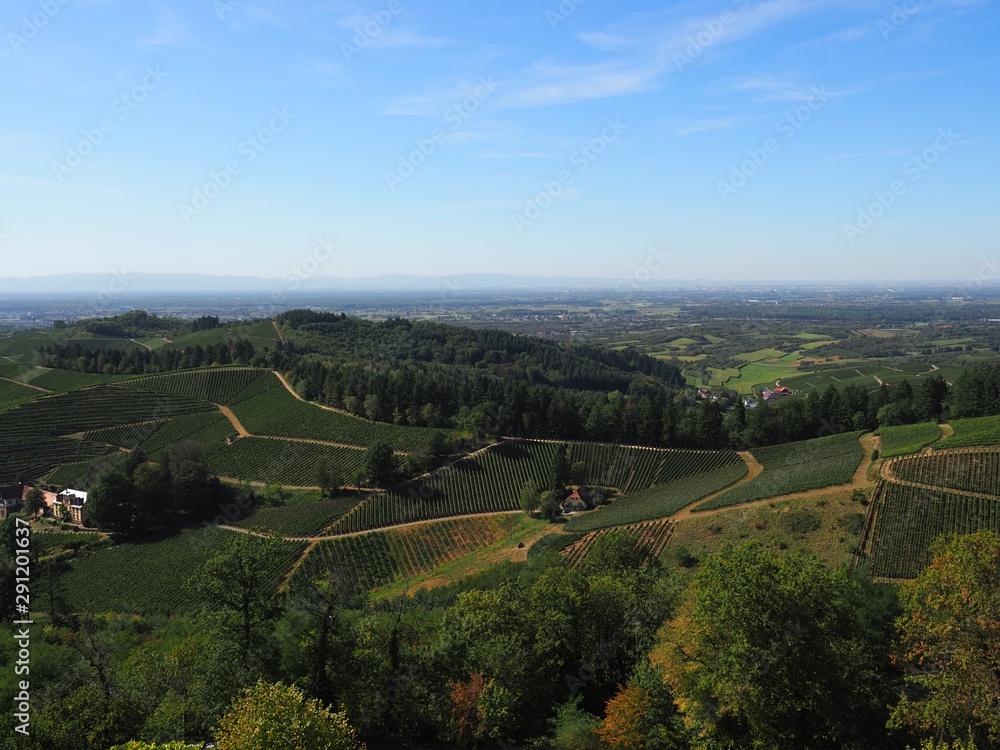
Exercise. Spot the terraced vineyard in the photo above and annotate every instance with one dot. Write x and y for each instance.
(208, 429)
(267, 408)
(218, 385)
(906, 439)
(68, 380)
(148, 577)
(971, 432)
(796, 467)
(659, 501)
(491, 481)
(653, 536)
(129, 436)
(966, 471)
(287, 462)
(373, 560)
(903, 521)
(303, 519)
(32, 435)
(12, 394)
(71, 474)
(630, 469)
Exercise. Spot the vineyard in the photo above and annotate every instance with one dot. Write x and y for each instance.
(70, 474)
(964, 471)
(284, 461)
(129, 436)
(796, 467)
(632, 469)
(653, 536)
(373, 560)
(661, 501)
(903, 521)
(974, 431)
(12, 394)
(491, 481)
(906, 439)
(33, 435)
(67, 380)
(218, 385)
(148, 577)
(303, 519)
(208, 429)
(267, 408)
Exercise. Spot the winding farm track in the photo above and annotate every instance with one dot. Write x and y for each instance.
(291, 390)
(28, 385)
(754, 468)
(365, 532)
(237, 424)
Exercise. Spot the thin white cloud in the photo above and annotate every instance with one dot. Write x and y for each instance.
(654, 54)
(477, 205)
(168, 30)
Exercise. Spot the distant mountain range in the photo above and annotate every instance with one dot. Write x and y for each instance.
(195, 283)
(92, 283)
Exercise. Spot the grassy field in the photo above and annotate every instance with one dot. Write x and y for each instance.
(660, 501)
(899, 441)
(760, 355)
(796, 467)
(828, 525)
(754, 377)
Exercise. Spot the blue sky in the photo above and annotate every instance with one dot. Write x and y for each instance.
(724, 139)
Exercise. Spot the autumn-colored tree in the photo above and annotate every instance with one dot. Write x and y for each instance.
(280, 717)
(465, 711)
(950, 643)
(624, 726)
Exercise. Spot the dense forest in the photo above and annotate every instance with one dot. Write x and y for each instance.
(751, 649)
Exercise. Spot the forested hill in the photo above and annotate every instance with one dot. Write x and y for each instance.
(480, 381)
(520, 358)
